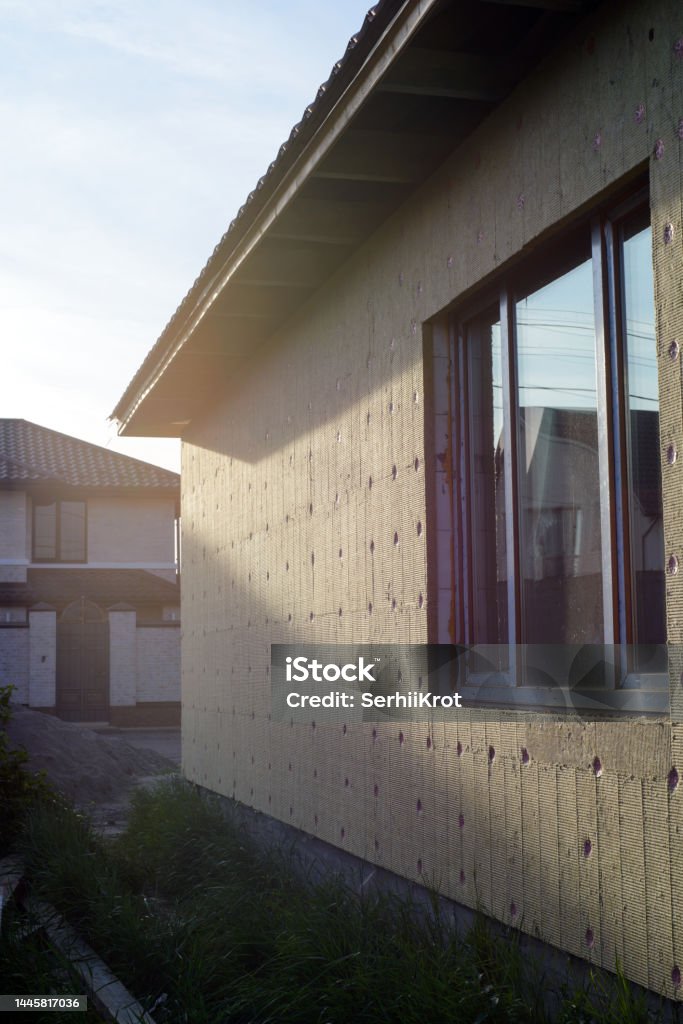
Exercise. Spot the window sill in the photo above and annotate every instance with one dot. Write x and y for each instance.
(57, 561)
(654, 700)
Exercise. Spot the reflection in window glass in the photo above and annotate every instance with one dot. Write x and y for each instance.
(644, 471)
(12, 615)
(72, 531)
(59, 530)
(45, 531)
(559, 480)
(488, 480)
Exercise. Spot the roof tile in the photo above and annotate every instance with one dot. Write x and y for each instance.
(29, 452)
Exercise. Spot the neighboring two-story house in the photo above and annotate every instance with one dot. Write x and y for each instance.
(89, 589)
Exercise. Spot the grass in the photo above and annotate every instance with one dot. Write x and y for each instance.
(19, 787)
(29, 965)
(206, 927)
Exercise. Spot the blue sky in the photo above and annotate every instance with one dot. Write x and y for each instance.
(131, 131)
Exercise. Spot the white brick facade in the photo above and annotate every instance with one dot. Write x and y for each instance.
(14, 642)
(42, 659)
(121, 532)
(116, 518)
(157, 663)
(131, 531)
(144, 663)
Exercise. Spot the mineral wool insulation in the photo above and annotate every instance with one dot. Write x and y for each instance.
(305, 519)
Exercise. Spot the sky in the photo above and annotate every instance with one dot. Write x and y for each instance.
(131, 131)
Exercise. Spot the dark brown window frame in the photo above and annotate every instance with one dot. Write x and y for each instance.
(58, 502)
(602, 229)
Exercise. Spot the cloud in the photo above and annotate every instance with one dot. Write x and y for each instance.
(132, 133)
(262, 48)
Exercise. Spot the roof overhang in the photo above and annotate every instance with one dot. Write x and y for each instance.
(418, 78)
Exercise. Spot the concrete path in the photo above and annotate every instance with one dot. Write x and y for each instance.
(164, 741)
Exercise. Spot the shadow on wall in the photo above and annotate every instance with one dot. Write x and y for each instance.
(303, 491)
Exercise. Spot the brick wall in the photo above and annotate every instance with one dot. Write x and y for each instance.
(131, 530)
(42, 666)
(157, 663)
(14, 660)
(144, 661)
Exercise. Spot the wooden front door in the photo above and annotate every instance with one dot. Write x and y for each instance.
(83, 663)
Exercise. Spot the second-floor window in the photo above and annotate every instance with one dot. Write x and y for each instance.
(59, 530)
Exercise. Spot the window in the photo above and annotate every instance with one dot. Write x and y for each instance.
(12, 616)
(59, 530)
(557, 479)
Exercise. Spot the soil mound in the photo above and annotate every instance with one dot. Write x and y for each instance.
(85, 766)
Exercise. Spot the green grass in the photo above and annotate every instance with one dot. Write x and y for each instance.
(187, 910)
(29, 965)
(20, 788)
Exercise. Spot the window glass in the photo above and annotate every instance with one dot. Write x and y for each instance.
(489, 569)
(59, 530)
(12, 614)
(558, 470)
(72, 531)
(642, 411)
(560, 544)
(45, 531)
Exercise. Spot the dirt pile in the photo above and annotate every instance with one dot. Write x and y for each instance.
(85, 766)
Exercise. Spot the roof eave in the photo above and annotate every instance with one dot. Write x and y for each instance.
(395, 37)
(231, 308)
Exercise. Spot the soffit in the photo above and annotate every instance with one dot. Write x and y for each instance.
(414, 83)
